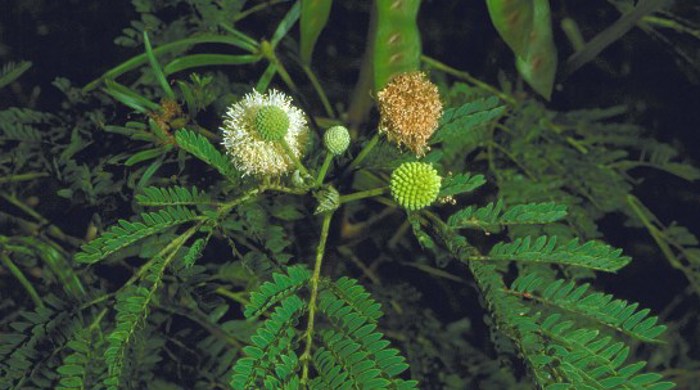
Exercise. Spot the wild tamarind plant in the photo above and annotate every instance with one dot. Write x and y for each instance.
(245, 229)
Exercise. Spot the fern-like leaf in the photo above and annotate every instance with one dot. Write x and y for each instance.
(592, 254)
(281, 287)
(11, 71)
(597, 362)
(272, 341)
(172, 196)
(78, 366)
(125, 233)
(464, 182)
(617, 314)
(200, 147)
(513, 319)
(357, 347)
(16, 124)
(355, 296)
(195, 251)
(132, 305)
(493, 217)
(457, 121)
(26, 346)
(132, 309)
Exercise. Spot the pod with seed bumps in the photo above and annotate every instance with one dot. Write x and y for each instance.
(336, 140)
(415, 185)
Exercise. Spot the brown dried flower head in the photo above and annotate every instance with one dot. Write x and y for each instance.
(410, 109)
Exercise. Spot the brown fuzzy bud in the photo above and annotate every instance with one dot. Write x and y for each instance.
(410, 109)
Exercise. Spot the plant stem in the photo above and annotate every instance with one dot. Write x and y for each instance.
(319, 90)
(315, 278)
(363, 194)
(294, 157)
(14, 270)
(140, 59)
(324, 168)
(235, 296)
(363, 153)
(23, 177)
(433, 63)
(256, 8)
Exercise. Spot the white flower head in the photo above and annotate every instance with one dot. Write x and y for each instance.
(251, 149)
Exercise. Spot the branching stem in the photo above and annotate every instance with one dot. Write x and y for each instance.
(319, 90)
(295, 159)
(363, 194)
(324, 168)
(14, 270)
(314, 282)
(23, 177)
(363, 153)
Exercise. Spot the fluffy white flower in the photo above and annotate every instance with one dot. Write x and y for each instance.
(252, 154)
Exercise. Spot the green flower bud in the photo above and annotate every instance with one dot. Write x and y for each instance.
(328, 199)
(272, 123)
(415, 185)
(336, 139)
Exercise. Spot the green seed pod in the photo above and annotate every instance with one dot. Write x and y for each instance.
(272, 123)
(415, 185)
(336, 139)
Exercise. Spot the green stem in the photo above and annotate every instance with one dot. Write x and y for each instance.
(256, 8)
(363, 153)
(363, 194)
(226, 207)
(324, 168)
(23, 177)
(170, 249)
(294, 157)
(433, 63)
(657, 235)
(314, 282)
(14, 270)
(141, 59)
(235, 296)
(319, 90)
(268, 52)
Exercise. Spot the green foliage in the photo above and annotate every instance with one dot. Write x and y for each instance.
(172, 196)
(199, 147)
(492, 217)
(271, 293)
(567, 296)
(352, 352)
(23, 350)
(543, 249)
(215, 280)
(125, 233)
(11, 71)
(461, 183)
(78, 369)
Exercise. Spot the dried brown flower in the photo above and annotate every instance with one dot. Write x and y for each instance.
(410, 109)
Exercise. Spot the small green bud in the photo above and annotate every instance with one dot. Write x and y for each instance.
(272, 123)
(415, 185)
(328, 199)
(336, 139)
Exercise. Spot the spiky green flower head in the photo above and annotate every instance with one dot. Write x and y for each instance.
(272, 123)
(253, 128)
(415, 185)
(336, 139)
